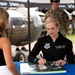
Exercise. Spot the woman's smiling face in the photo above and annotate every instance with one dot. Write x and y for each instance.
(52, 29)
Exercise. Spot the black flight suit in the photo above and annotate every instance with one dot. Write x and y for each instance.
(52, 51)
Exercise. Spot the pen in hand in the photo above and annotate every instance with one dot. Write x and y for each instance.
(42, 61)
(41, 55)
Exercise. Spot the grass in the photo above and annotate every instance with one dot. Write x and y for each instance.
(71, 36)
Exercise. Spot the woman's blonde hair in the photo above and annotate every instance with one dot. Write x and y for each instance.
(3, 17)
(52, 18)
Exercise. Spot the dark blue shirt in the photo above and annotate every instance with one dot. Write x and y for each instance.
(53, 51)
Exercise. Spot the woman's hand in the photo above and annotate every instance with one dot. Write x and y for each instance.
(60, 62)
(41, 61)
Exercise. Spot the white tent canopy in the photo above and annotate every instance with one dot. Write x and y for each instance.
(43, 1)
(47, 1)
(42, 4)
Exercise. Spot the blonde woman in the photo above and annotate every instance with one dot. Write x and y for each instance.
(7, 66)
(54, 46)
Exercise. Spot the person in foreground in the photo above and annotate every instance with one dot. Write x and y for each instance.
(54, 46)
(7, 66)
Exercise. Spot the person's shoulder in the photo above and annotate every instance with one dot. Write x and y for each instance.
(48, 11)
(4, 39)
(64, 38)
(61, 10)
(67, 40)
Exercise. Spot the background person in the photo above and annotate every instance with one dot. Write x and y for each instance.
(7, 66)
(73, 24)
(21, 6)
(62, 16)
(54, 46)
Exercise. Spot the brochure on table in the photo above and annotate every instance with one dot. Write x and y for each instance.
(30, 68)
